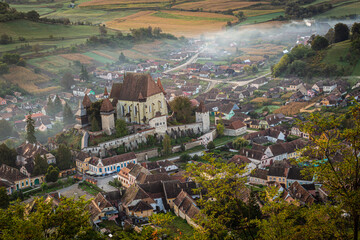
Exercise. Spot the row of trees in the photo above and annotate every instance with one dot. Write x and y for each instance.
(294, 63)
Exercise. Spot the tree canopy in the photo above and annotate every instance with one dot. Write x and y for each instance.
(183, 110)
(30, 130)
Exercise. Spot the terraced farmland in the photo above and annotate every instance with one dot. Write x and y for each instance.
(179, 23)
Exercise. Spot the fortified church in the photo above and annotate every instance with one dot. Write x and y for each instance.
(140, 100)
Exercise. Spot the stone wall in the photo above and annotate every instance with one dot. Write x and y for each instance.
(145, 155)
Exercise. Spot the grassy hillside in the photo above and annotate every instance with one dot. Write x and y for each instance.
(35, 30)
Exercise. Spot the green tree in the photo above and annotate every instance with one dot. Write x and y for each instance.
(6, 129)
(33, 15)
(5, 39)
(11, 58)
(84, 76)
(4, 198)
(102, 30)
(50, 108)
(319, 43)
(281, 66)
(341, 32)
(52, 174)
(94, 124)
(8, 155)
(355, 31)
(163, 222)
(166, 145)
(68, 115)
(288, 221)
(223, 214)
(240, 15)
(240, 142)
(70, 220)
(57, 104)
(211, 145)
(4, 68)
(40, 165)
(333, 156)
(185, 157)
(67, 80)
(122, 58)
(183, 111)
(63, 157)
(121, 128)
(30, 130)
(220, 129)
(330, 36)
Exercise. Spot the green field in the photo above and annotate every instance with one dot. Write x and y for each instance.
(342, 10)
(53, 64)
(270, 107)
(337, 51)
(98, 58)
(41, 9)
(262, 18)
(41, 31)
(356, 71)
(89, 15)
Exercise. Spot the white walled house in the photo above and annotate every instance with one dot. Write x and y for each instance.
(111, 164)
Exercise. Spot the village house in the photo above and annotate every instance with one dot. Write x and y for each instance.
(101, 209)
(302, 193)
(277, 174)
(17, 179)
(235, 128)
(329, 87)
(26, 152)
(258, 177)
(295, 130)
(109, 165)
(129, 174)
(2, 101)
(271, 134)
(9, 187)
(259, 82)
(295, 175)
(186, 208)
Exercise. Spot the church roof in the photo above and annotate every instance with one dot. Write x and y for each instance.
(135, 86)
(86, 101)
(160, 86)
(106, 106)
(106, 92)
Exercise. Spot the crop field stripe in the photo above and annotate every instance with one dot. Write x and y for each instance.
(188, 18)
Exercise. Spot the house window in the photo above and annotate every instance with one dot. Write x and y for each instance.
(22, 183)
(100, 169)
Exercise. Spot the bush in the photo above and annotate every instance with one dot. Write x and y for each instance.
(185, 158)
(319, 43)
(211, 145)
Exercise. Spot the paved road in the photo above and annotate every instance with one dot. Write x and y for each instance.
(191, 60)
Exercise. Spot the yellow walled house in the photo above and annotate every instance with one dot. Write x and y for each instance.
(18, 179)
(139, 98)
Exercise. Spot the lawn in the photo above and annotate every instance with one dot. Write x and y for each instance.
(224, 140)
(90, 188)
(179, 225)
(270, 107)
